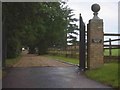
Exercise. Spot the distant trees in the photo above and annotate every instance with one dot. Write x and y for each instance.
(35, 25)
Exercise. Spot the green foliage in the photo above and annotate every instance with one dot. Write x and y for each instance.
(107, 74)
(35, 25)
(14, 48)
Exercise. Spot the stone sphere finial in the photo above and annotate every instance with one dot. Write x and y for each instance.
(95, 8)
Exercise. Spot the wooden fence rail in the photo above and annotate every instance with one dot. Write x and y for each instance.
(108, 34)
(73, 50)
(112, 40)
(111, 48)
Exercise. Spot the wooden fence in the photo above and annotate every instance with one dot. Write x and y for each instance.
(112, 49)
(73, 50)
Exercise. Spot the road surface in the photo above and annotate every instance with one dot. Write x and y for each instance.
(41, 72)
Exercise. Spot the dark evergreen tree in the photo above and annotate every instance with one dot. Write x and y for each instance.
(35, 25)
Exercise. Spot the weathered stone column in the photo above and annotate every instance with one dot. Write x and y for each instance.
(95, 40)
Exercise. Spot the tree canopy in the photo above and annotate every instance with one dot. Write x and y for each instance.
(36, 25)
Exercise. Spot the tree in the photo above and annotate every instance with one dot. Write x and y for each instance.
(35, 25)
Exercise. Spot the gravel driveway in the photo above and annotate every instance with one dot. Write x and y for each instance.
(31, 60)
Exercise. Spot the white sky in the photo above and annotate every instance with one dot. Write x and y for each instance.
(108, 12)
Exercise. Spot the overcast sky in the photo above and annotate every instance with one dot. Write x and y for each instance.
(108, 12)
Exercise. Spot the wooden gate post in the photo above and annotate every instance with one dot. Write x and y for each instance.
(95, 40)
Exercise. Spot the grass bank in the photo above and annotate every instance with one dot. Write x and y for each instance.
(108, 74)
(64, 59)
(10, 63)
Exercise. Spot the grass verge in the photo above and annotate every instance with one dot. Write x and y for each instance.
(64, 59)
(108, 74)
(115, 52)
(10, 63)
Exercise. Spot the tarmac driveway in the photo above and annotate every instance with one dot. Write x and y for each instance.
(33, 71)
(49, 77)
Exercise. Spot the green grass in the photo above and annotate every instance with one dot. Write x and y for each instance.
(115, 52)
(11, 62)
(108, 74)
(62, 58)
(3, 73)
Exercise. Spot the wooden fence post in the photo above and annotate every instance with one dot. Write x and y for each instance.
(110, 47)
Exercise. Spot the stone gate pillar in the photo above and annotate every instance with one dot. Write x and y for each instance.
(95, 40)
